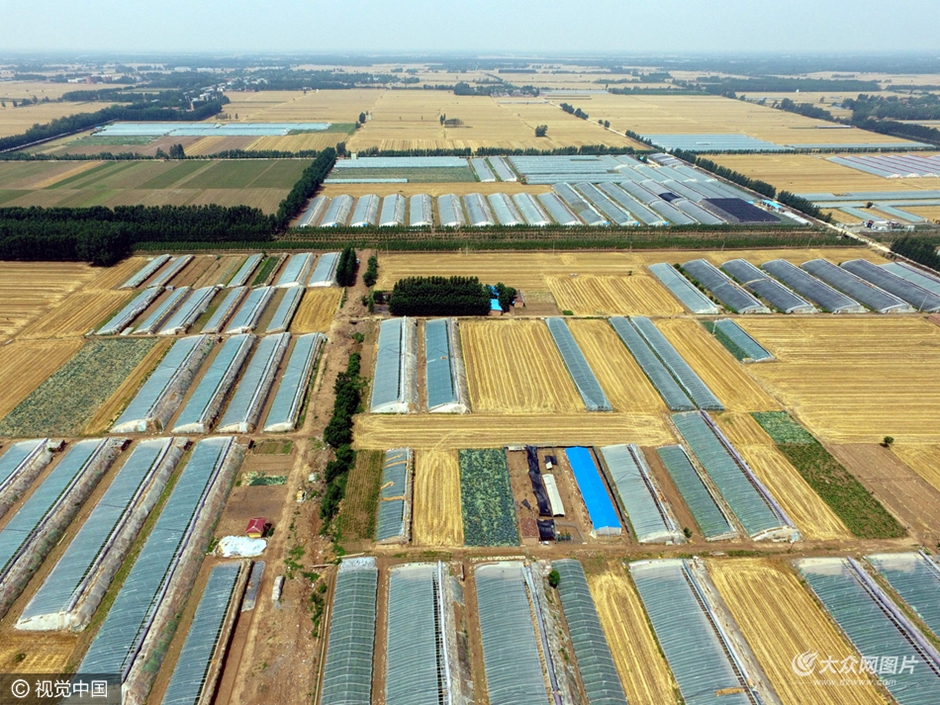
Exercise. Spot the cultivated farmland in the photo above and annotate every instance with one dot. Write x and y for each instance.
(437, 514)
(613, 296)
(779, 620)
(645, 676)
(514, 367)
(78, 314)
(28, 289)
(922, 459)
(854, 380)
(489, 517)
(25, 365)
(316, 310)
(15, 121)
(66, 401)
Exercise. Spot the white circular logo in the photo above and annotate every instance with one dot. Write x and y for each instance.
(20, 688)
(804, 664)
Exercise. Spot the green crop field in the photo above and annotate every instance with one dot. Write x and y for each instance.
(489, 514)
(261, 183)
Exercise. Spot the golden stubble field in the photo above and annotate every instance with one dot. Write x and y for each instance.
(340, 106)
(24, 365)
(643, 670)
(779, 620)
(814, 173)
(316, 311)
(30, 289)
(922, 459)
(15, 121)
(437, 518)
(635, 294)
(855, 379)
(813, 517)
(513, 366)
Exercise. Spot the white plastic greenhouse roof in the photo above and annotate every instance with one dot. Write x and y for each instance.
(285, 409)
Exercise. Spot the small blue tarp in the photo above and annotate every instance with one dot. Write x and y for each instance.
(603, 515)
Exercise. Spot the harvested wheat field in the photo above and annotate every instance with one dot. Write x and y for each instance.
(621, 378)
(637, 295)
(338, 106)
(47, 652)
(316, 311)
(854, 380)
(24, 365)
(15, 121)
(452, 431)
(724, 375)
(922, 459)
(808, 173)
(112, 277)
(436, 509)
(644, 673)
(107, 414)
(77, 315)
(742, 429)
(779, 620)
(28, 289)
(513, 366)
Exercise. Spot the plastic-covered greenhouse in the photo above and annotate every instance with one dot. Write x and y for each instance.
(75, 571)
(256, 381)
(324, 274)
(296, 270)
(920, 299)
(163, 391)
(740, 337)
(751, 502)
(18, 466)
(682, 289)
(123, 630)
(577, 365)
(779, 296)
(604, 520)
(478, 210)
(145, 272)
(697, 390)
(417, 669)
(337, 213)
(419, 211)
(54, 490)
(449, 211)
(218, 319)
(876, 627)
(913, 275)
(504, 209)
(530, 209)
(204, 404)
(916, 578)
(311, 216)
(246, 270)
(640, 499)
(482, 170)
(856, 287)
(366, 212)
(708, 515)
(391, 525)
(578, 205)
(392, 214)
(818, 292)
(443, 367)
(394, 382)
(686, 630)
(155, 320)
(556, 208)
(628, 203)
(134, 308)
(189, 310)
(172, 269)
(502, 169)
(732, 296)
(347, 672)
(510, 652)
(674, 396)
(285, 310)
(251, 310)
(289, 398)
(192, 667)
(595, 663)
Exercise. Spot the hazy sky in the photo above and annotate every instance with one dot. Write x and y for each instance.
(516, 26)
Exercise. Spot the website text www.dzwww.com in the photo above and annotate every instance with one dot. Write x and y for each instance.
(825, 682)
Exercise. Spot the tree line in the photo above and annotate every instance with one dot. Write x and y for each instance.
(439, 296)
(338, 435)
(921, 250)
(310, 180)
(346, 267)
(571, 110)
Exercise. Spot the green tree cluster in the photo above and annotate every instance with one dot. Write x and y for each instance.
(372, 271)
(346, 267)
(919, 249)
(306, 186)
(439, 296)
(338, 435)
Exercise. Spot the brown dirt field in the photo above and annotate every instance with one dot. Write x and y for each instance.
(316, 311)
(437, 518)
(904, 493)
(432, 189)
(613, 296)
(856, 379)
(77, 315)
(813, 517)
(807, 173)
(724, 375)
(530, 270)
(25, 365)
(621, 378)
(28, 289)
(922, 459)
(644, 673)
(780, 619)
(513, 366)
(112, 408)
(450, 431)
